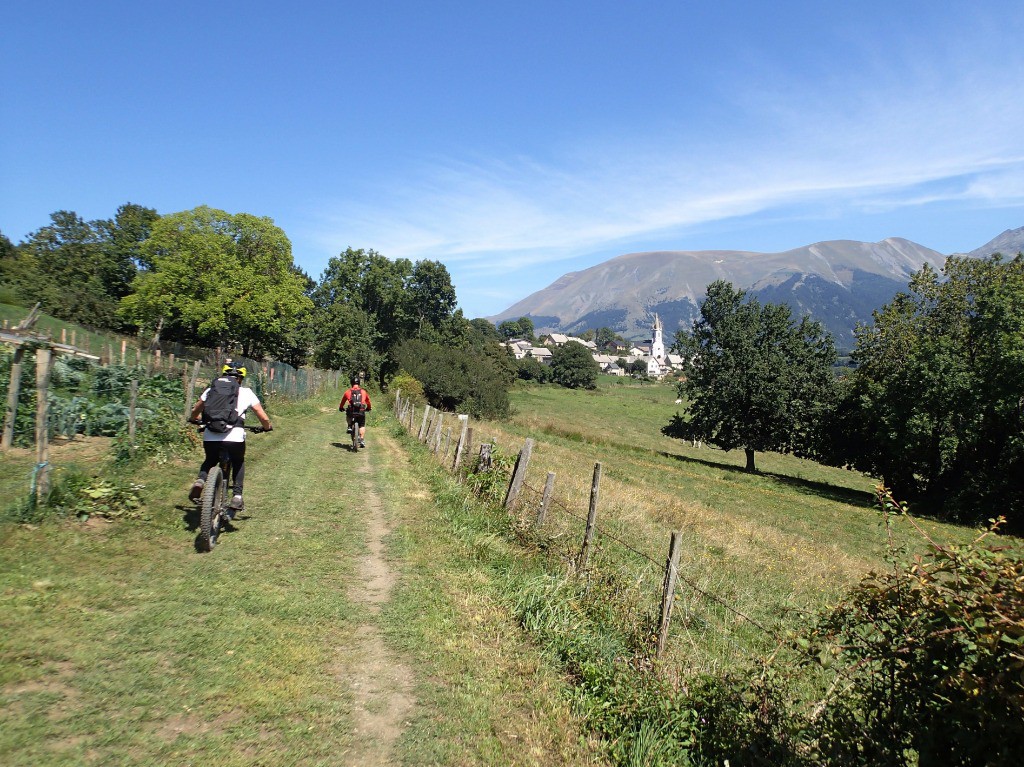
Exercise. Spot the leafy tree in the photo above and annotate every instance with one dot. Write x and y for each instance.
(521, 328)
(637, 368)
(935, 404)
(398, 300)
(429, 296)
(573, 366)
(78, 270)
(295, 345)
(344, 338)
(485, 329)
(529, 369)
(754, 378)
(123, 237)
(218, 279)
(608, 340)
(11, 271)
(456, 380)
(67, 268)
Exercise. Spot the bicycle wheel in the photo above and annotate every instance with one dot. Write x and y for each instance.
(209, 512)
(355, 436)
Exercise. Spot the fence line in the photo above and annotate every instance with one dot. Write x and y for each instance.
(673, 581)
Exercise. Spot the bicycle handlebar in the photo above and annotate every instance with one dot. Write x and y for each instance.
(253, 429)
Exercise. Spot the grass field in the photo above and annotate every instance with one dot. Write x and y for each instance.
(771, 545)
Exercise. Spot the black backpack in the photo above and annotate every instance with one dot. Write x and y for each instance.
(220, 412)
(357, 403)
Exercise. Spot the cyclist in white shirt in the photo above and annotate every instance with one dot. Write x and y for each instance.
(232, 440)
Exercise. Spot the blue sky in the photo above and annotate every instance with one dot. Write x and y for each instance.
(518, 141)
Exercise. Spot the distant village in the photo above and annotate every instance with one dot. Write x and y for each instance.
(652, 353)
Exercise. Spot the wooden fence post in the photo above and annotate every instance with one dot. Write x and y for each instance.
(588, 537)
(465, 449)
(14, 389)
(461, 444)
(549, 489)
(190, 389)
(447, 442)
(485, 461)
(184, 389)
(668, 592)
(44, 359)
(124, 348)
(515, 486)
(423, 424)
(437, 433)
(131, 414)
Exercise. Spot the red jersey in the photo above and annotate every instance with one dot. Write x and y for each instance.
(347, 397)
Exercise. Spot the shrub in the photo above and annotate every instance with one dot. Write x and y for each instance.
(934, 654)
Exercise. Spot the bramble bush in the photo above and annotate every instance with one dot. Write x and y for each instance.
(934, 656)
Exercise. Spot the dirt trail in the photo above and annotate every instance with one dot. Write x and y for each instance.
(380, 684)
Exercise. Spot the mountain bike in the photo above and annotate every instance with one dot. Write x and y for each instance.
(354, 428)
(214, 512)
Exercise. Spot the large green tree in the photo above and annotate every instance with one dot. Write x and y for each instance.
(66, 269)
(457, 380)
(368, 304)
(218, 279)
(79, 270)
(755, 379)
(936, 404)
(573, 366)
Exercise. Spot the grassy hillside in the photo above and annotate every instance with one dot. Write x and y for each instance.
(95, 342)
(770, 545)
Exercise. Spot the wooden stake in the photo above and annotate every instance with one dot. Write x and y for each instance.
(461, 444)
(668, 592)
(588, 537)
(545, 501)
(131, 415)
(423, 424)
(43, 361)
(13, 390)
(515, 486)
(437, 433)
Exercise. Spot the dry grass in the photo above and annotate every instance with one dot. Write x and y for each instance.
(767, 546)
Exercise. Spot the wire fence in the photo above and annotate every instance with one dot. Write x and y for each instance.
(87, 384)
(452, 442)
(709, 624)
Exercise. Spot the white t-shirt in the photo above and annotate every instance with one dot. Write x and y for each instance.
(246, 399)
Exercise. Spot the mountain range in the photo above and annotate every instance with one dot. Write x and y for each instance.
(838, 282)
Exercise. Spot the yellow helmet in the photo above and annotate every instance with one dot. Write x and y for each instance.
(231, 370)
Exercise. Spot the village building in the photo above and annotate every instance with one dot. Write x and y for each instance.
(652, 353)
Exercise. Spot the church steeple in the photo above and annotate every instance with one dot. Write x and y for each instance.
(658, 345)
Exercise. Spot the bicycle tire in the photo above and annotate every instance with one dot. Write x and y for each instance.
(210, 506)
(355, 436)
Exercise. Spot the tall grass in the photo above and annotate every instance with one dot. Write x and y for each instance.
(759, 550)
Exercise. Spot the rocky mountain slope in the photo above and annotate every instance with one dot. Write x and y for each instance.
(838, 283)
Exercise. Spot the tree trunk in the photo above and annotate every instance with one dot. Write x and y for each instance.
(750, 458)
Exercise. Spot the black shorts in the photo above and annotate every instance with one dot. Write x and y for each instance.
(359, 419)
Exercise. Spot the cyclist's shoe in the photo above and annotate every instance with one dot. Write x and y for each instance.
(362, 444)
(348, 430)
(197, 490)
(235, 504)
